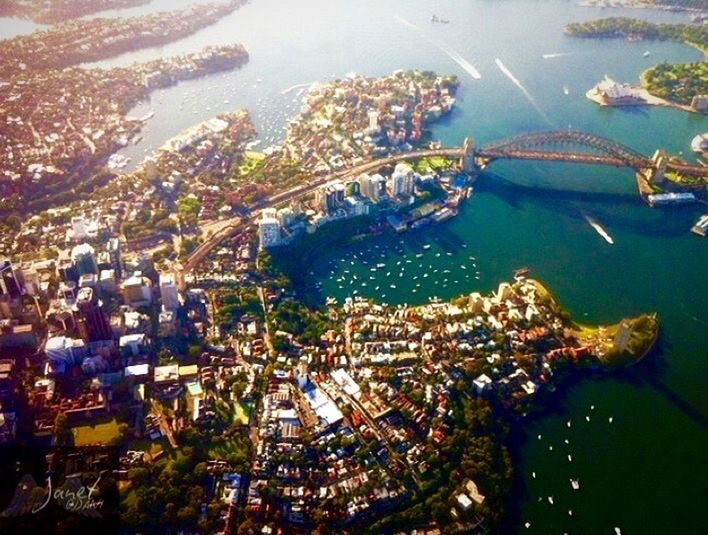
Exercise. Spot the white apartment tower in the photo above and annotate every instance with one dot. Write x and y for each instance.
(269, 229)
(168, 292)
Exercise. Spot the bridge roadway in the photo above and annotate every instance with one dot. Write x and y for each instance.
(537, 155)
(232, 226)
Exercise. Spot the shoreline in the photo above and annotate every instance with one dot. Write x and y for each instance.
(633, 4)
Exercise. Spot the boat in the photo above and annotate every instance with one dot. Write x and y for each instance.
(566, 91)
(610, 419)
(599, 229)
(550, 500)
(426, 246)
(575, 484)
(570, 458)
(522, 272)
(646, 54)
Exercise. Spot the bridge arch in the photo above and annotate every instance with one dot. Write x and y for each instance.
(529, 145)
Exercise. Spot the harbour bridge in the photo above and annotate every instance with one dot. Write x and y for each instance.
(555, 146)
(563, 146)
(576, 147)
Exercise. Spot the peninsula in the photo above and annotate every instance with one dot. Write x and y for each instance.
(682, 86)
(57, 11)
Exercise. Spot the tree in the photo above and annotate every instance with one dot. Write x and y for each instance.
(62, 433)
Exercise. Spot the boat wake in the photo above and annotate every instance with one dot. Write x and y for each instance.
(444, 47)
(294, 87)
(523, 89)
(555, 55)
(599, 229)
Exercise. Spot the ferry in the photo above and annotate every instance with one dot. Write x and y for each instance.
(701, 226)
(598, 228)
(670, 198)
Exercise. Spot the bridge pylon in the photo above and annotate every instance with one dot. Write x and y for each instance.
(657, 174)
(467, 162)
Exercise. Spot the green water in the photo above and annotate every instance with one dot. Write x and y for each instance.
(645, 472)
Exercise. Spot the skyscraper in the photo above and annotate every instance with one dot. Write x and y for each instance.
(9, 281)
(84, 258)
(269, 229)
(168, 292)
(93, 323)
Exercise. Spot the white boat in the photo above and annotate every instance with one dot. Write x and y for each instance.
(598, 228)
(570, 459)
(646, 54)
(610, 419)
(575, 483)
(426, 246)
(566, 91)
(550, 500)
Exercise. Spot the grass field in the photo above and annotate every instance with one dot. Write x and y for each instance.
(241, 413)
(100, 433)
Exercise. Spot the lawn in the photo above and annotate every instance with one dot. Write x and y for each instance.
(251, 161)
(101, 433)
(241, 413)
(151, 447)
